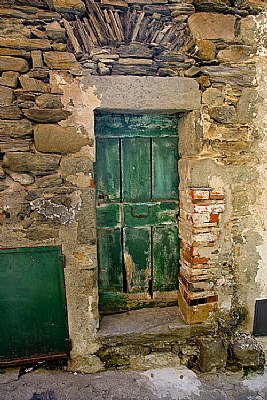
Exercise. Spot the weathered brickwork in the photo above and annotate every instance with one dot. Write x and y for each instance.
(199, 230)
(60, 60)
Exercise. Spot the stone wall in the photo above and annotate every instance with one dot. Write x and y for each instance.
(53, 56)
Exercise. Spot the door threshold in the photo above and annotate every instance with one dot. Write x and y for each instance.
(137, 326)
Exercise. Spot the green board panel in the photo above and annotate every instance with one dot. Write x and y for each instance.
(165, 168)
(107, 170)
(108, 215)
(168, 212)
(165, 258)
(33, 319)
(137, 259)
(122, 125)
(141, 214)
(110, 260)
(136, 178)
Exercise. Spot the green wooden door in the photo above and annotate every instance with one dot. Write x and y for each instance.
(33, 323)
(136, 175)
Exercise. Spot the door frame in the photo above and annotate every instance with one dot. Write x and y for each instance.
(135, 94)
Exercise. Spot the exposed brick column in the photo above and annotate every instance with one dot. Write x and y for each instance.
(200, 210)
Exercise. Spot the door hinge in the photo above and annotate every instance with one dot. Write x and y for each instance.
(62, 259)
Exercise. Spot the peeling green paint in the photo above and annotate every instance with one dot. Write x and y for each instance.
(137, 205)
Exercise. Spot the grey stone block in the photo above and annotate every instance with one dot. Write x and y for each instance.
(248, 351)
(129, 93)
(213, 354)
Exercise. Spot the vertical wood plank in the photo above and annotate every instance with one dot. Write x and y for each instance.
(165, 168)
(110, 268)
(107, 170)
(165, 258)
(137, 259)
(136, 178)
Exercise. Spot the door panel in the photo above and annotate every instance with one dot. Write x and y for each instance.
(136, 182)
(110, 260)
(139, 214)
(107, 170)
(140, 125)
(33, 321)
(137, 259)
(165, 258)
(108, 215)
(165, 160)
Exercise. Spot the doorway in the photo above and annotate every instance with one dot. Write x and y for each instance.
(136, 177)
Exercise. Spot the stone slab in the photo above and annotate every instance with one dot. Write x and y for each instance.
(59, 60)
(46, 115)
(10, 79)
(49, 101)
(8, 63)
(33, 85)
(148, 324)
(10, 112)
(212, 26)
(25, 43)
(136, 50)
(71, 6)
(6, 51)
(244, 76)
(190, 131)
(6, 96)
(51, 138)
(141, 94)
(13, 129)
(39, 164)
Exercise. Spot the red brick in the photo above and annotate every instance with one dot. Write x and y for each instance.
(187, 257)
(193, 260)
(92, 183)
(200, 194)
(212, 208)
(200, 260)
(216, 196)
(198, 301)
(212, 299)
(214, 217)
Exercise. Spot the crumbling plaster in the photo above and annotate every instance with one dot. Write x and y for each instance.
(260, 207)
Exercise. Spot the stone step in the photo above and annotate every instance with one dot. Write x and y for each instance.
(146, 338)
(149, 324)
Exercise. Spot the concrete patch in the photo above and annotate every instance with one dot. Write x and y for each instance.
(176, 384)
(256, 382)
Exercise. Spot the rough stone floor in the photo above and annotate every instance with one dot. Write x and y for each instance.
(164, 383)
